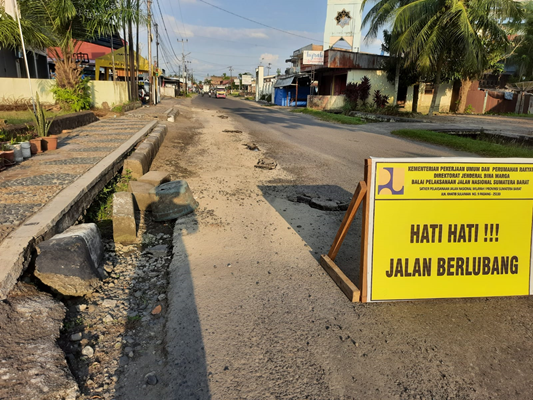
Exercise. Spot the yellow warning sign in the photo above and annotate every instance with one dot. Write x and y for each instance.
(441, 228)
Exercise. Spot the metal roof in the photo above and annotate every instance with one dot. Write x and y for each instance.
(282, 82)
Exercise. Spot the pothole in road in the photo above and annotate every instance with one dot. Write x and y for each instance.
(324, 204)
(266, 163)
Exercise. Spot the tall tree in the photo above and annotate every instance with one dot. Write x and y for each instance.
(430, 32)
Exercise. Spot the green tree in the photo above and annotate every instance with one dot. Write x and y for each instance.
(36, 35)
(523, 56)
(433, 34)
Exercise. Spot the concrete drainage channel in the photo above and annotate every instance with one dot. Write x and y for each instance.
(112, 298)
(167, 115)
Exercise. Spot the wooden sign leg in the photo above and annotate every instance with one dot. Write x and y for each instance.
(327, 261)
(363, 281)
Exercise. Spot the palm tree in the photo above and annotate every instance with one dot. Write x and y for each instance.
(36, 35)
(431, 33)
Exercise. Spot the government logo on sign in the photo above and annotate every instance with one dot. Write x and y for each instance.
(391, 181)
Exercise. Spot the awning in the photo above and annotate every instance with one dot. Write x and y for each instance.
(282, 82)
(120, 62)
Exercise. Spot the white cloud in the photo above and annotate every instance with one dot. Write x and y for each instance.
(269, 58)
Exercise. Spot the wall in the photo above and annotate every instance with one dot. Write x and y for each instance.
(101, 91)
(325, 102)
(114, 93)
(168, 91)
(424, 100)
(378, 81)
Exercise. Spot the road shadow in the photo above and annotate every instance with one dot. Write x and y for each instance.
(185, 345)
(318, 228)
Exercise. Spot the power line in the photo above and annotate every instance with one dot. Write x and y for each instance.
(166, 31)
(234, 41)
(165, 53)
(222, 55)
(259, 23)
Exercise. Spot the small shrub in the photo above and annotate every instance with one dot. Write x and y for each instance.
(39, 118)
(364, 88)
(75, 99)
(469, 109)
(368, 108)
(380, 100)
(352, 94)
(347, 107)
(269, 98)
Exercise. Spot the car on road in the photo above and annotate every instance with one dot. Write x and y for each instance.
(220, 93)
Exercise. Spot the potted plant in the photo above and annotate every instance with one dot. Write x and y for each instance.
(42, 127)
(8, 154)
(25, 145)
(15, 145)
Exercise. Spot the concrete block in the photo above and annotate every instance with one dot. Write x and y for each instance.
(172, 115)
(138, 164)
(155, 141)
(147, 149)
(161, 130)
(142, 194)
(65, 263)
(174, 199)
(91, 234)
(155, 178)
(124, 227)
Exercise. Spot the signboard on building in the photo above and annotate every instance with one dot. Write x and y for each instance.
(313, 58)
(441, 228)
(246, 79)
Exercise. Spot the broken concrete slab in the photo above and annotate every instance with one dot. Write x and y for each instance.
(65, 264)
(155, 178)
(142, 194)
(138, 164)
(266, 163)
(174, 199)
(124, 226)
(33, 366)
(91, 234)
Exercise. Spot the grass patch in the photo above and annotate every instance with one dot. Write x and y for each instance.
(512, 115)
(23, 117)
(329, 117)
(101, 210)
(479, 147)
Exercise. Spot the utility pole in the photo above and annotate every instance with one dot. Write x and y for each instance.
(268, 68)
(230, 78)
(183, 55)
(17, 13)
(157, 59)
(150, 72)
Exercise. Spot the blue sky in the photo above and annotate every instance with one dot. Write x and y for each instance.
(217, 40)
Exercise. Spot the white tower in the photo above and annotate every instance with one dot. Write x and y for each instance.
(343, 21)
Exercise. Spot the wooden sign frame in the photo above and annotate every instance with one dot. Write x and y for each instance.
(360, 196)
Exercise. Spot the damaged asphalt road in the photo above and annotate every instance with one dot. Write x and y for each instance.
(253, 315)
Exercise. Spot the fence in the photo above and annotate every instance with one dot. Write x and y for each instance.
(113, 93)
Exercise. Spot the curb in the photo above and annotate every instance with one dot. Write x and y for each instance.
(61, 212)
